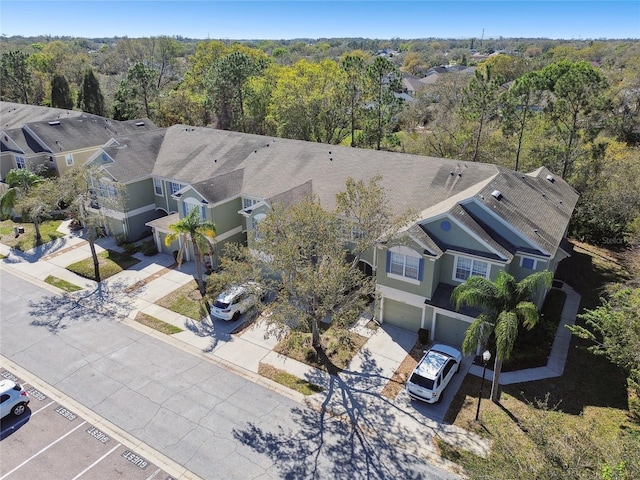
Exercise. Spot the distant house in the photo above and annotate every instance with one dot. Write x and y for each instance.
(474, 219)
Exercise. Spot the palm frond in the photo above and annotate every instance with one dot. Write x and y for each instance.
(528, 314)
(477, 334)
(506, 332)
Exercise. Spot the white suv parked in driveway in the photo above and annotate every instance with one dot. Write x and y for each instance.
(433, 373)
(234, 301)
(13, 398)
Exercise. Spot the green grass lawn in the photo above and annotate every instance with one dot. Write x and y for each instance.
(157, 324)
(110, 262)
(186, 301)
(62, 284)
(27, 240)
(288, 380)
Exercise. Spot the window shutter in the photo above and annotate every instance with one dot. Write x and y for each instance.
(184, 209)
(420, 269)
(388, 261)
(203, 213)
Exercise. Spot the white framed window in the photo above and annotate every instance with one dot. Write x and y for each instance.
(21, 163)
(405, 264)
(528, 262)
(248, 203)
(175, 187)
(157, 186)
(190, 204)
(466, 267)
(69, 159)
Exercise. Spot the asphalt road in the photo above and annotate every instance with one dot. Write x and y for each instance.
(212, 422)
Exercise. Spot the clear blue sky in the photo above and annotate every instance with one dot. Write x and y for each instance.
(573, 19)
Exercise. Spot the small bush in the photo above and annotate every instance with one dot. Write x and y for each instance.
(310, 354)
(149, 248)
(423, 336)
(121, 239)
(130, 248)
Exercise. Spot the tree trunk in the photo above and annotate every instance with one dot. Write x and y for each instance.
(94, 255)
(495, 386)
(315, 333)
(198, 260)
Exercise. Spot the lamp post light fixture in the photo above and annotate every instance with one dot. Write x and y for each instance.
(486, 356)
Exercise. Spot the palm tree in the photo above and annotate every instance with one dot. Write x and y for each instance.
(20, 181)
(200, 232)
(506, 304)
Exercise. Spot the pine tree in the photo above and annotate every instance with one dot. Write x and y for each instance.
(60, 93)
(90, 98)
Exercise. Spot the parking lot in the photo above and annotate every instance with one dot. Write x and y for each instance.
(52, 440)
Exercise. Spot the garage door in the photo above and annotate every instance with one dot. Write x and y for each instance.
(402, 315)
(450, 330)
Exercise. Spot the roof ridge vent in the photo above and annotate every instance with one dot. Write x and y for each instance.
(497, 194)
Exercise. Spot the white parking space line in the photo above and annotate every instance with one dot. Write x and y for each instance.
(95, 463)
(43, 450)
(42, 408)
(154, 474)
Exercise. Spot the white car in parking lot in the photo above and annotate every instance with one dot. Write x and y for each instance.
(433, 373)
(13, 398)
(236, 300)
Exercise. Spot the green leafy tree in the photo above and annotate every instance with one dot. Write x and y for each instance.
(574, 100)
(506, 305)
(480, 103)
(90, 98)
(37, 205)
(228, 77)
(306, 247)
(614, 330)
(20, 182)
(15, 77)
(60, 93)
(80, 190)
(354, 66)
(523, 95)
(197, 232)
(383, 80)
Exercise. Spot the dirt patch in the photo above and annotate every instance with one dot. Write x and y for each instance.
(399, 378)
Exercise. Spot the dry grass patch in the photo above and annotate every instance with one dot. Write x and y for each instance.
(288, 380)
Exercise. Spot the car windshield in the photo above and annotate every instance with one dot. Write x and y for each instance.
(221, 305)
(423, 382)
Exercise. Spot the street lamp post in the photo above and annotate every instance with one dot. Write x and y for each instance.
(486, 356)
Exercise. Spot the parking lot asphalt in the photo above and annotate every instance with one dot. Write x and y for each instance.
(58, 438)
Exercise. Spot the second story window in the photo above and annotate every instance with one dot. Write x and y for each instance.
(404, 263)
(21, 163)
(466, 267)
(175, 187)
(248, 203)
(157, 186)
(69, 159)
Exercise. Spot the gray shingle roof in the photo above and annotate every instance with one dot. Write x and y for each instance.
(134, 155)
(15, 115)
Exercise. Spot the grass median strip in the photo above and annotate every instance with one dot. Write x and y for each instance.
(288, 380)
(157, 324)
(62, 284)
(186, 301)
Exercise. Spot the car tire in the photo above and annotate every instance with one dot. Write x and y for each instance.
(19, 409)
(457, 369)
(439, 398)
(235, 317)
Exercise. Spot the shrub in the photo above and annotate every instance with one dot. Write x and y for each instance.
(423, 336)
(121, 239)
(130, 248)
(149, 248)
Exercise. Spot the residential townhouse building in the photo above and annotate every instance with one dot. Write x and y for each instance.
(473, 218)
